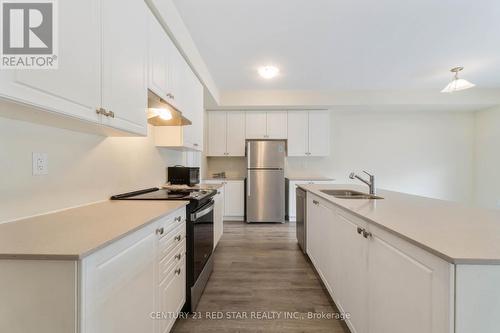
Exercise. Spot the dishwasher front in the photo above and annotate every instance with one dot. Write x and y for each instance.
(301, 217)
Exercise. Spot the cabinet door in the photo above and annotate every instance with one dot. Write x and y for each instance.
(172, 296)
(319, 133)
(348, 269)
(234, 195)
(74, 88)
(298, 133)
(255, 124)
(124, 89)
(317, 225)
(216, 133)
(176, 74)
(277, 124)
(158, 48)
(192, 108)
(410, 282)
(235, 141)
(119, 285)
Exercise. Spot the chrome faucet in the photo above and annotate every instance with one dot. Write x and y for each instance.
(370, 183)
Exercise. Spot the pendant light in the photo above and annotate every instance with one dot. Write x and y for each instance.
(457, 84)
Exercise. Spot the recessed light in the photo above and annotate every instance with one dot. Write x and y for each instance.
(268, 72)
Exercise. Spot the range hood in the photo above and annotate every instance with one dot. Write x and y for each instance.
(160, 113)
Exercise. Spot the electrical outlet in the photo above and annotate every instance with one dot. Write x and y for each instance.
(40, 164)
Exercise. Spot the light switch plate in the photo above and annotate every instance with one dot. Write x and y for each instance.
(40, 164)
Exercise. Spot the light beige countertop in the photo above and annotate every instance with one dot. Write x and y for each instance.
(75, 233)
(457, 233)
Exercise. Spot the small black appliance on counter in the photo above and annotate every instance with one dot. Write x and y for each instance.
(180, 175)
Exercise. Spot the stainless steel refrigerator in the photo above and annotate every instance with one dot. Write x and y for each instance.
(265, 194)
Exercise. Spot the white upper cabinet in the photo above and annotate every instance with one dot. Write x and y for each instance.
(217, 133)
(266, 125)
(256, 124)
(277, 125)
(319, 133)
(193, 109)
(308, 133)
(74, 89)
(171, 78)
(298, 133)
(102, 66)
(158, 55)
(235, 141)
(124, 88)
(226, 133)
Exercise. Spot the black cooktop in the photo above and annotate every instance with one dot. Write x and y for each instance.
(156, 193)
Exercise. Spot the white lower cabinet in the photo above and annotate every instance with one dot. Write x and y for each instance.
(138, 283)
(233, 198)
(386, 284)
(118, 285)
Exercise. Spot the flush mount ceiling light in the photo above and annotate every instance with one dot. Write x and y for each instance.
(268, 72)
(457, 84)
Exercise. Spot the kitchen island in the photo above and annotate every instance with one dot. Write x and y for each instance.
(406, 263)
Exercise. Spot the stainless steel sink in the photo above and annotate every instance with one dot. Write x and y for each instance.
(350, 194)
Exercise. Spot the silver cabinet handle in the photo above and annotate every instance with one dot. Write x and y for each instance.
(195, 144)
(316, 202)
(178, 219)
(159, 231)
(104, 112)
(178, 238)
(367, 234)
(360, 230)
(178, 271)
(178, 257)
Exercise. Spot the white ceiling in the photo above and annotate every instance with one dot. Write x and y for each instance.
(346, 44)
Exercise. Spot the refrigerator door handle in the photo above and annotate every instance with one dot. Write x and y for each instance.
(247, 153)
(248, 185)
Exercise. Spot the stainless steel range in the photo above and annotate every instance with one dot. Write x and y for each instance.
(199, 234)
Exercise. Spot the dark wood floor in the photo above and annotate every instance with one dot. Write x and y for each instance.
(260, 271)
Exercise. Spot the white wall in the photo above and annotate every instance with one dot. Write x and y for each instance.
(423, 153)
(488, 158)
(83, 168)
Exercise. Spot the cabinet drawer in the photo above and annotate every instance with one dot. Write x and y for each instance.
(171, 240)
(171, 260)
(171, 222)
(172, 295)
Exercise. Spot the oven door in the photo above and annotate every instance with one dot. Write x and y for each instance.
(203, 236)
